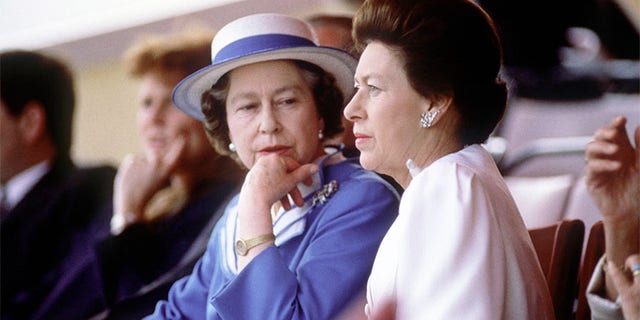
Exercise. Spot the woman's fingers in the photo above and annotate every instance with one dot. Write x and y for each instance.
(296, 196)
(172, 157)
(619, 279)
(633, 263)
(297, 173)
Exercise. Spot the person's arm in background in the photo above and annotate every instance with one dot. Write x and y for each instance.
(139, 178)
(613, 181)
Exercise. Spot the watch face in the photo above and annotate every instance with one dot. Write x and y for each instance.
(241, 247)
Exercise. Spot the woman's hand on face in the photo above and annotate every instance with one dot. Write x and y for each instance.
(274, 177)
(138, 179)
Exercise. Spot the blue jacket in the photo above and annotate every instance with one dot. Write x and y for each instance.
(310, 274)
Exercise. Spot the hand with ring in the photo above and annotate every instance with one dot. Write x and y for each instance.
(628, 289)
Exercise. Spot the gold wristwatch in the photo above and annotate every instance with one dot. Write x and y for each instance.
(243, 246)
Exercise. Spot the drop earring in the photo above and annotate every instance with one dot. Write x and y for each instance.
(320, 134)
(232, 147)
(427, 118)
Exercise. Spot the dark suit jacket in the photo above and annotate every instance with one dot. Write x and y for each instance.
(124, 275)
(36, 235)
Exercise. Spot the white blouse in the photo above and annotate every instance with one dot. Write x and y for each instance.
(459, 248)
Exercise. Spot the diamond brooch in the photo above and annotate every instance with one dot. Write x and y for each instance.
(325, 193)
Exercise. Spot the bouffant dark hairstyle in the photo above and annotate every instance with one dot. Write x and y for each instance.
(449, 47)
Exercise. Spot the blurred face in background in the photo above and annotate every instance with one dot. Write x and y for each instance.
(337, 36)
(161, 123)
(333, 36)
(10, 143)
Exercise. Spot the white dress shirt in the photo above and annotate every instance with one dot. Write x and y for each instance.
(18, 186)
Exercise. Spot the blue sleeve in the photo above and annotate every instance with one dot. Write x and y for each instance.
(334, 266)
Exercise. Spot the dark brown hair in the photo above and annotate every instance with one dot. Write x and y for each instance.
(30, 76)
(449, 47)
(327, 96)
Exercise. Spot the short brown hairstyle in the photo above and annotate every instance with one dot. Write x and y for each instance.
(186, 52)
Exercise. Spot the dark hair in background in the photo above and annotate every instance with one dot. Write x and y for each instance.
(326, 94)
(27, 76)
(533, 34)
(449, 47)
(534, 31)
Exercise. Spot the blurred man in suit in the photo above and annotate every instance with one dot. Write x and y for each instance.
(47, 202)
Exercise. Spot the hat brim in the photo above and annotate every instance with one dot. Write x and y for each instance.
(187, 94)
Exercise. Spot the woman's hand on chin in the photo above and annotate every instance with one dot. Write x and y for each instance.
(273, 177)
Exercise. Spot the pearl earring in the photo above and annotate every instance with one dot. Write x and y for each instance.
(320, 134)
(232, 147)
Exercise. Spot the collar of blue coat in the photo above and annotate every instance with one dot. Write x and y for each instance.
(287, 224)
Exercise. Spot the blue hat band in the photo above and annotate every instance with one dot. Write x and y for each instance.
(259, 43)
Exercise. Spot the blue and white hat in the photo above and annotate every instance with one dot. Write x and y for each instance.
(257, 38)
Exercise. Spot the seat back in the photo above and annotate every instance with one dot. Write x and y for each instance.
(593, 253)
(546, 157)
(580, 205)
(548, 137)
(559, 249)
(540, 200)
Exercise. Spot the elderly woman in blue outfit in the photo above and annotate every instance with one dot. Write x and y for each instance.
(299, 239)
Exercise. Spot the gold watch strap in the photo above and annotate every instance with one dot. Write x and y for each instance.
(243, 246)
